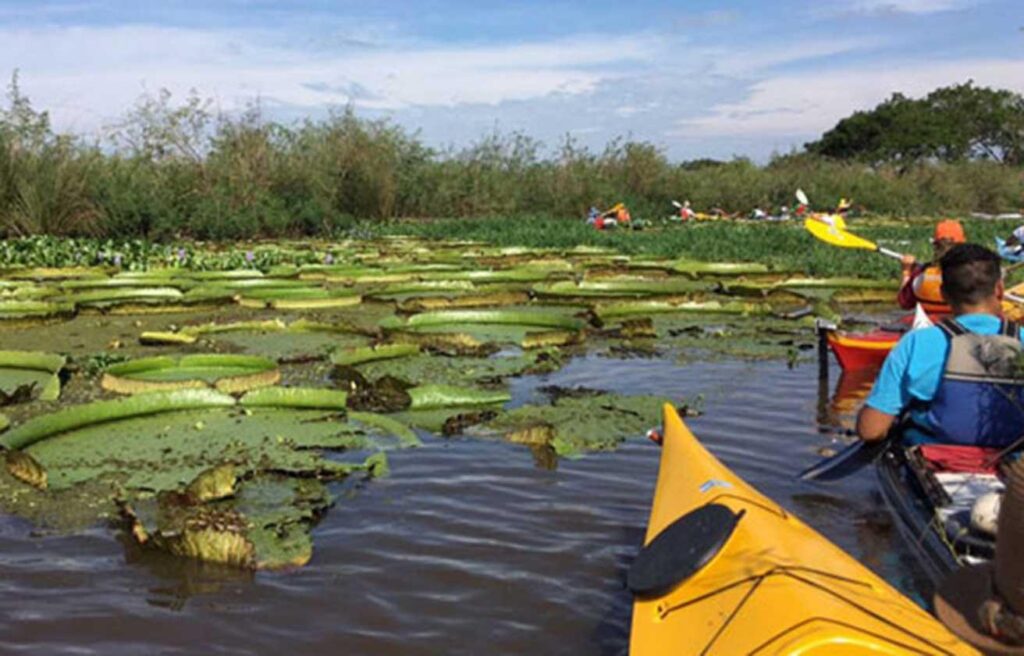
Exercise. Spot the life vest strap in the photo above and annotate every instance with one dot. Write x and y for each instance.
(951, 328)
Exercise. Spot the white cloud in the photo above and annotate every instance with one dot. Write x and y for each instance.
(807, 104)
(87, 75)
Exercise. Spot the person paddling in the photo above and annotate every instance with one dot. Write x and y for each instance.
(921, 283)
(956, 381)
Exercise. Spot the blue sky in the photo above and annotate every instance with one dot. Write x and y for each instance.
(700, 79)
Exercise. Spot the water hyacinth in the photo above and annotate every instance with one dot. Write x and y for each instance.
(328, 259)
(250, 256)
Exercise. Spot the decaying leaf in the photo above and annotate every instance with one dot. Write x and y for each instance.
(26, 469)
(212, 484)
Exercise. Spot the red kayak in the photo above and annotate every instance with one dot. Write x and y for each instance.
(863, 350)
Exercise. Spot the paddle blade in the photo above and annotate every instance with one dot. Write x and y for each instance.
(836, 235)
(802, 197)
(676, 203)
(848, 461)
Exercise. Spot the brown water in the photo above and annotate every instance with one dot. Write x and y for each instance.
(469, 547)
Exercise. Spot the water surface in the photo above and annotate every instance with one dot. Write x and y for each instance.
(470, 546)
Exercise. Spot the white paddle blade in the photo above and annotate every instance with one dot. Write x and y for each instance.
(802, 197)
(921, 319)
(677, 204)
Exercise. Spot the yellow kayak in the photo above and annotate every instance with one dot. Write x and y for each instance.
(725, 570)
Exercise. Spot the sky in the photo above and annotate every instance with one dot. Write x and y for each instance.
(697, 78)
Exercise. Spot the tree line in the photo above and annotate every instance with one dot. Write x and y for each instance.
(171, 169)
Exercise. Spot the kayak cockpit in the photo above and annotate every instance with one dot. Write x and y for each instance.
(932, 490)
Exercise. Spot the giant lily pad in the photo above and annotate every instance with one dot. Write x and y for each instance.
(619, 288)
(459, 370)
(350, 357)
(265, 525)
(719, 268)
(19, 310)
(232, 485)
(31, 370)
(105, 298)
(606, 311)
(227, 373)
(570, 425)
(553, 318)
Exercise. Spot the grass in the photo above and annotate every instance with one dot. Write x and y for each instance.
(784, 246)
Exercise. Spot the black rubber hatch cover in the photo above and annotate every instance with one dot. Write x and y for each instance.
(681, 549)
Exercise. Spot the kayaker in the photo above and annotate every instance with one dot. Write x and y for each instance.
(956, 381)
(1015, 242)
(686, 212)
(922, 283)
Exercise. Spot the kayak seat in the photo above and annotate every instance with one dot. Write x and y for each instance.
(959, 459)
(681, 549)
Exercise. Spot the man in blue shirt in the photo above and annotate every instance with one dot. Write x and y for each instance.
(916, 378)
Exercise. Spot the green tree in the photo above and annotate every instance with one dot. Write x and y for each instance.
(951, 124)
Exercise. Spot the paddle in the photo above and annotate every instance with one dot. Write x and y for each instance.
(849, 460)
(839, 236)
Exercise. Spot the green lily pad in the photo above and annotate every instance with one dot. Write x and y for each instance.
(350, 357)
(607, 311)
(15, 310)
(620, 288)
(264, 525)
(429, 397)
(534, 317)
(588, 423)
(32, 370)
(228, 373)
(459, 370)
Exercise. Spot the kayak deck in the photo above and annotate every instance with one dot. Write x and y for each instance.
(775, 586)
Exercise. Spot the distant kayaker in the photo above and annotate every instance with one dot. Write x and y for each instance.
(922, 283)
(1015, 242)
(956, 381)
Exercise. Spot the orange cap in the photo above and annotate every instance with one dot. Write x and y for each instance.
(951, 230)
